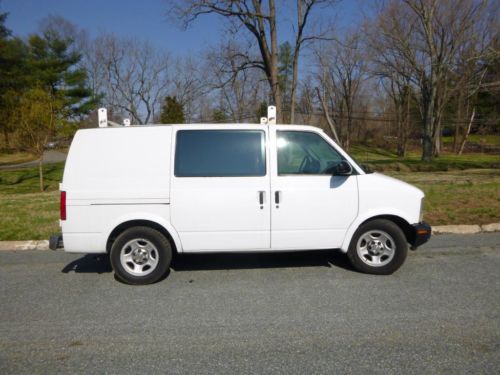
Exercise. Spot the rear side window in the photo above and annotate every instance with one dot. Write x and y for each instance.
(220, 153)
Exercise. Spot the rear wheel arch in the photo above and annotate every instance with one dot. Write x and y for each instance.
(139, 223)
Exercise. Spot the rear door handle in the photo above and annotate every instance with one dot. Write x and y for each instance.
(261, 197)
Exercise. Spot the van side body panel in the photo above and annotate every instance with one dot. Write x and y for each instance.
(382, 195)
(91, 232)
(112, 174)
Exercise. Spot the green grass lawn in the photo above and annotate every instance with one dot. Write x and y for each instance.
(455, 195)
(381, 160)
(485, 139)
(27, 213)
(15, 158)
(470, 196)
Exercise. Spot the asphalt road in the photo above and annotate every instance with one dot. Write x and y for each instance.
(293, 313)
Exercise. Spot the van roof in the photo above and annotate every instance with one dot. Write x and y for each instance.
(218, 126)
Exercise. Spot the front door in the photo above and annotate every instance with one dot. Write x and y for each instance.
(311, 209)
(220, 189)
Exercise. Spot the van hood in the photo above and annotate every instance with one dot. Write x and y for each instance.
(387, 182)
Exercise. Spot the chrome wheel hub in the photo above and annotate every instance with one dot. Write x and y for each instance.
(376, 248)
(139, 257)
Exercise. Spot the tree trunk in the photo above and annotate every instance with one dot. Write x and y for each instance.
(400, 125)
(275, 87)
(295, 62)
(328, 119)
(427, 144)
(467, 132)
(6, 137)
(457, 123)
(40, 172)
(295, 78)
(347, 139)
(427, 149)
(428, 126)
(404, 127)
(437, 138)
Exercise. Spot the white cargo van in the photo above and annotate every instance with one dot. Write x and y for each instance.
(141, 193)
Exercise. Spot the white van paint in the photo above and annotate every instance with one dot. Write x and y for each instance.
(116, 175)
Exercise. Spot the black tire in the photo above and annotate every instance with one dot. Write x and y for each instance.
(151, 242)
(366, 262)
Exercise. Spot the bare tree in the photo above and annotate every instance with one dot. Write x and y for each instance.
(189, 86)
(399, 89)
(256, 18)
(131, 74)
(304, 10)
(426, 34)
(342, 71)
(239, 91)
(306, 102)
(259, 19)
(468, 74)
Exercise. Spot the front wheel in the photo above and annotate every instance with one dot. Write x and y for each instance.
(141, 255)
(378, 247)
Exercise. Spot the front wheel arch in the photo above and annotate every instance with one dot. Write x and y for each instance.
(406, 227)
(403, 224)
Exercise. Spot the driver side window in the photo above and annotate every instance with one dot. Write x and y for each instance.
(305, 153)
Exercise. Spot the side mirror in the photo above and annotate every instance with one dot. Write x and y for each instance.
(342, 169)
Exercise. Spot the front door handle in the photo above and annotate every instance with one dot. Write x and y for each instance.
(277, 196)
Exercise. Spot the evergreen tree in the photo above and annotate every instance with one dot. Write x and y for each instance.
(219, 115)
(53, 65)
(172, 112)
(4, 31)
(13, 75)
(261, 111)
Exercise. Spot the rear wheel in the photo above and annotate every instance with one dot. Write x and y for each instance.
(141, 255)
(378, 247)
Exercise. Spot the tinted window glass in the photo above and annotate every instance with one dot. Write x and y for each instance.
(219, 153)
(305, 153)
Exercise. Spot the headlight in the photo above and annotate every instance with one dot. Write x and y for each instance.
(421, 217)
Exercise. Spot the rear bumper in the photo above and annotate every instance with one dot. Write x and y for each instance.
(56, 242)
(421, 233)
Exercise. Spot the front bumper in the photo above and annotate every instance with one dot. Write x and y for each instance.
(421, 233)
